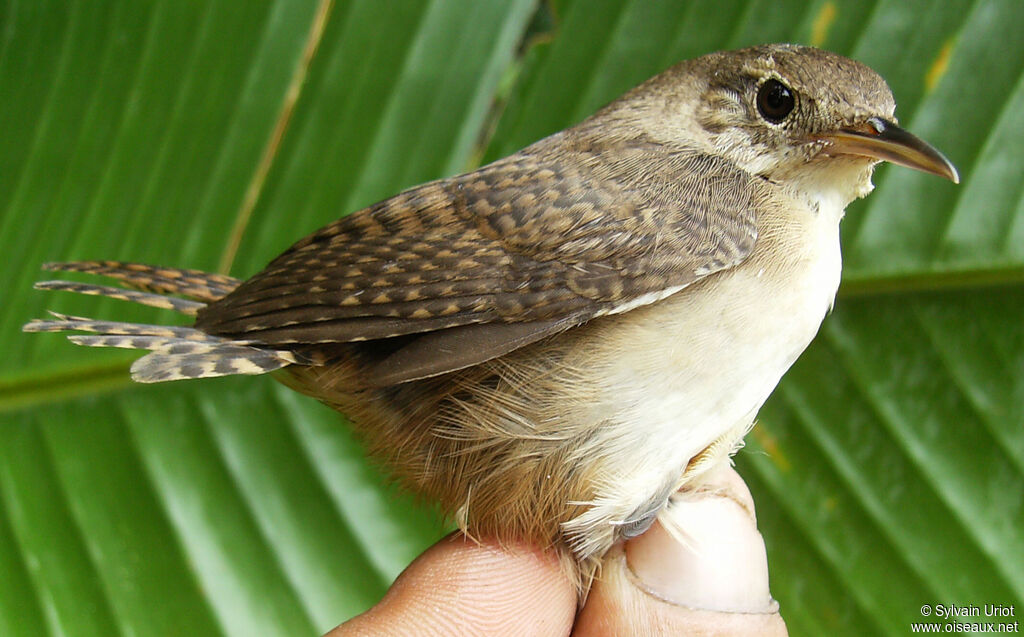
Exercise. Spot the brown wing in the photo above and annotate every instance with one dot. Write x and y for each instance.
(543, 240)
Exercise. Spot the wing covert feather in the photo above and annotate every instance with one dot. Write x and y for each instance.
(532, 238)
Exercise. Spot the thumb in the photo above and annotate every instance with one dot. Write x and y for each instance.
(716, 583)
(459, 587)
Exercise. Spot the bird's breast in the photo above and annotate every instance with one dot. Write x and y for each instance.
(675, 376)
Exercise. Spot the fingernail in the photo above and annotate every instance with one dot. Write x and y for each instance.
(721, 565)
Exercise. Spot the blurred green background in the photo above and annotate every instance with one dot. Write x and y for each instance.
(888, 469)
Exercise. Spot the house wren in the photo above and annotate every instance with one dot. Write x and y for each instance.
(554, 344)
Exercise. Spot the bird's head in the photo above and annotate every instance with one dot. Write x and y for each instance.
(791, 114)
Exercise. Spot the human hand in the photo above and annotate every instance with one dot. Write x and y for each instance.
(714, 584)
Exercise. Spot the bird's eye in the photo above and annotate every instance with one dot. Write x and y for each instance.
(775, 101)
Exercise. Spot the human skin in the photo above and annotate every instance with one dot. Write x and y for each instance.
(713, 583)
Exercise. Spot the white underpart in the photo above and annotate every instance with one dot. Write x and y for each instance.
(705, 359)
(643, 299)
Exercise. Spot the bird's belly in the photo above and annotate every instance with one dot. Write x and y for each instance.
(724, 354)
(672, 378)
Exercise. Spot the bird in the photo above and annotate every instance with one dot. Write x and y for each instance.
(555, 345)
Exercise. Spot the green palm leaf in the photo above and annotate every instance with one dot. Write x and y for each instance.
(888, 469)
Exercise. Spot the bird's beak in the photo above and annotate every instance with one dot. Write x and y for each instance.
(882, 139)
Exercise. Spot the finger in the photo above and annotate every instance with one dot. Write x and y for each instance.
(716, 583)
(459, 587)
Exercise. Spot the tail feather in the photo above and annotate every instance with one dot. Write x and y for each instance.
(192, 284)
(175, 352)
(185, 306)
(76, 324)
(161, 344)
(227, 360)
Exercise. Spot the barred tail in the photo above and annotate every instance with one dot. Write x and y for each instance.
(175, 353)
(192, 284)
